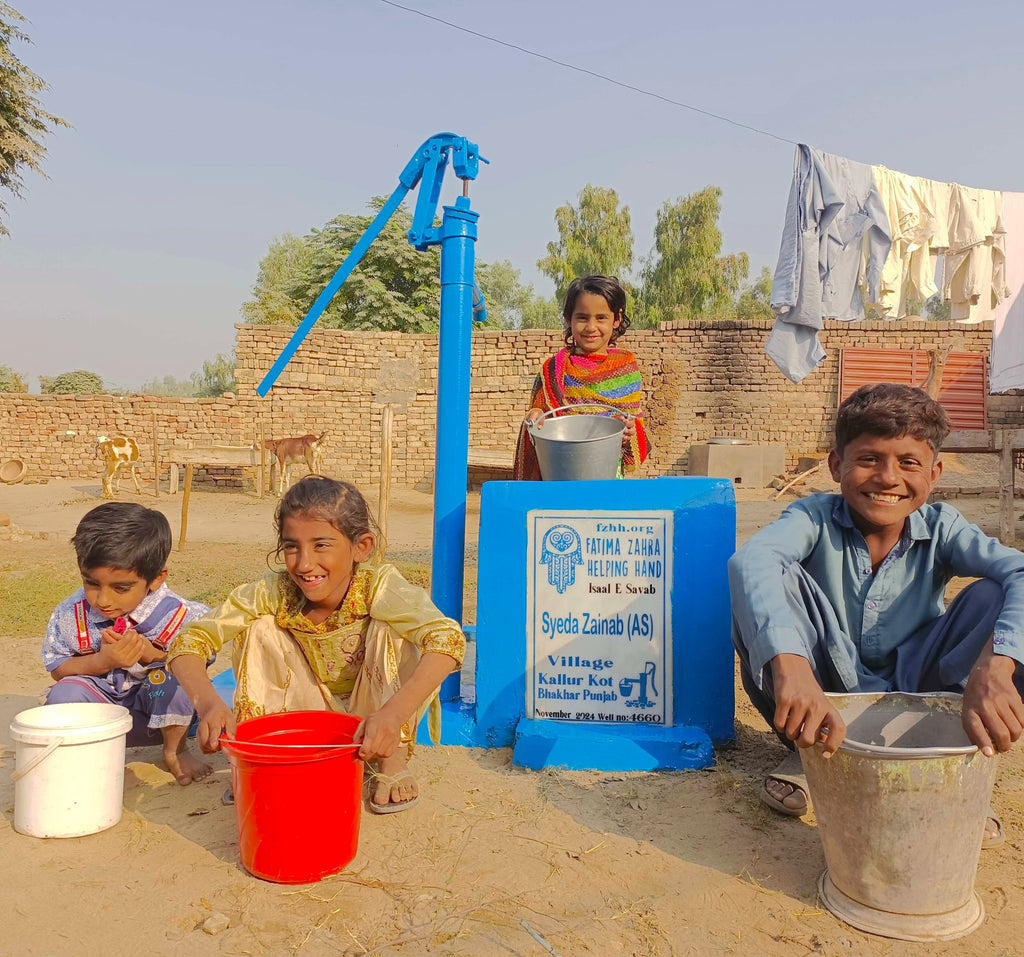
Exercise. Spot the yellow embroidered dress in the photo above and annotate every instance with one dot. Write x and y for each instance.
(354, 661)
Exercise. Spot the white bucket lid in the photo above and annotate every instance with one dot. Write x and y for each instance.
(71, 723)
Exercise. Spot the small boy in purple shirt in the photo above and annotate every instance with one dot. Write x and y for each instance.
(107, 642)
(844, 593)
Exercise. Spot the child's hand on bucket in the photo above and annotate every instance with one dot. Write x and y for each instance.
(803, 712)
(215, 719)
(993, 713)
(380, 734)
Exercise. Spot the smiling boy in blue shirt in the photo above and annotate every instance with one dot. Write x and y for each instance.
(844, 593)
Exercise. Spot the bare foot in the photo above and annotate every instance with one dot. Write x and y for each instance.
(394, 785)
(185, 767)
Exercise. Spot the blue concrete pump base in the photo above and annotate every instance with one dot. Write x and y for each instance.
(593, 746)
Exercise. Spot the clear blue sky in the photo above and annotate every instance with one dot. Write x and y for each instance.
(201, 130)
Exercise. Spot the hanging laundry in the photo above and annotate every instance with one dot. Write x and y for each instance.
(835, 240)
(918, 210)
(1006, 367)
(974, 273)
(857, 234)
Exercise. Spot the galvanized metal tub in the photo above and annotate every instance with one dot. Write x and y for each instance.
(901, 810)
(578, 446)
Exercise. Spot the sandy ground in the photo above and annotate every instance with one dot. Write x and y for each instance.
(493, 860)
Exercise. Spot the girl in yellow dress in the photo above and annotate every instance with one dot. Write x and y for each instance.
(333, 631)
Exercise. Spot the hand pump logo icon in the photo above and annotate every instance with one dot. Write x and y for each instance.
(642, 683)
(561, 550)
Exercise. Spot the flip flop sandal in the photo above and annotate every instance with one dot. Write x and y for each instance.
(228, 797)
(1000, 835)
(391, 807)
(790, 771)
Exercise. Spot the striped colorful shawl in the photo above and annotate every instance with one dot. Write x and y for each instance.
(567, 379)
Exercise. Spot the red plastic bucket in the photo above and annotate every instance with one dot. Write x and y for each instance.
(297, 794)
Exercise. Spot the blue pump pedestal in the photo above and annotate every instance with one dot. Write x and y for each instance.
(602, 636)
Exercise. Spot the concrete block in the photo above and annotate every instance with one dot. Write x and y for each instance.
(750, 465)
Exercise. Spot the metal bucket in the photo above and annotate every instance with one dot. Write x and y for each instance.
(579, 446)
(901, 810)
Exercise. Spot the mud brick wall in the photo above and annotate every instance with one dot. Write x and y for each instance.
(55, 435)
(715, 380)
(701, 379)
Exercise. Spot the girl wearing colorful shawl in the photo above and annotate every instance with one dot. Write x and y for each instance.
(329, 633)
(589, 370)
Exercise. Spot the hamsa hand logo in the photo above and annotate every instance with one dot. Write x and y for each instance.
(561, 550)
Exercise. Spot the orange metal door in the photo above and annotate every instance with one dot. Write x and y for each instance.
(964, 379)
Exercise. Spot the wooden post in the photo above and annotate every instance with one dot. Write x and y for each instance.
(263, 456)
(1007, 520)
(184, 506)
(384, 494)
(156, 459)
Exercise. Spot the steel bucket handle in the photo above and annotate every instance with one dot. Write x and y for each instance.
(532, 426)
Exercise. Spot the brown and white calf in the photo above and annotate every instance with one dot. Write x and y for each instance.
(118, 453)
(303, 448)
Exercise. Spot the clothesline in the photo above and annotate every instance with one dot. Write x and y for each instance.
(859, 236)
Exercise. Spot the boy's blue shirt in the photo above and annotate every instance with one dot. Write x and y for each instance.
(156, 610)
(877, 611)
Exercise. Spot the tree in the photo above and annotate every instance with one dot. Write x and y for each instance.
(510, 304)
(593, 237)
(217, 377)
(685, 275)
(79, 382)
(395, 287)
(755, 300)
(167, 385)
(11, 381)
(273, 302)
(23, 121)
(937, 308)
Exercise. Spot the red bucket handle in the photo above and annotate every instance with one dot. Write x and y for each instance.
(256, 747)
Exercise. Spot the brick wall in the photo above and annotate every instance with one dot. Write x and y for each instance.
(701, 380)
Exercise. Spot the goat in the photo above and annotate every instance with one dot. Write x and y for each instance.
(118, 453)
(303, 448)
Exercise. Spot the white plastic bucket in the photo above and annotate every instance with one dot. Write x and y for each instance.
(69, 768)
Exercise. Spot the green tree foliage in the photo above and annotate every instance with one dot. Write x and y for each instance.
(273, 303)
(78, 382)
(937, 308)
(510, 303)
(754, 301)
(23, 121)
(685, 275)
(543, 314)
(594, 236)
(167, 385)
(395, 287)
(11, 381)
(217, 377)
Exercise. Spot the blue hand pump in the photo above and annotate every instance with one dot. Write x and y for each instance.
(456, 236)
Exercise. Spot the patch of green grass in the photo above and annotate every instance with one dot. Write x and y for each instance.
(29, 595)
(31, 589)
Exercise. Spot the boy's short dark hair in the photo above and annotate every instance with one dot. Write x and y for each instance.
(123, 535)
(891, 410)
